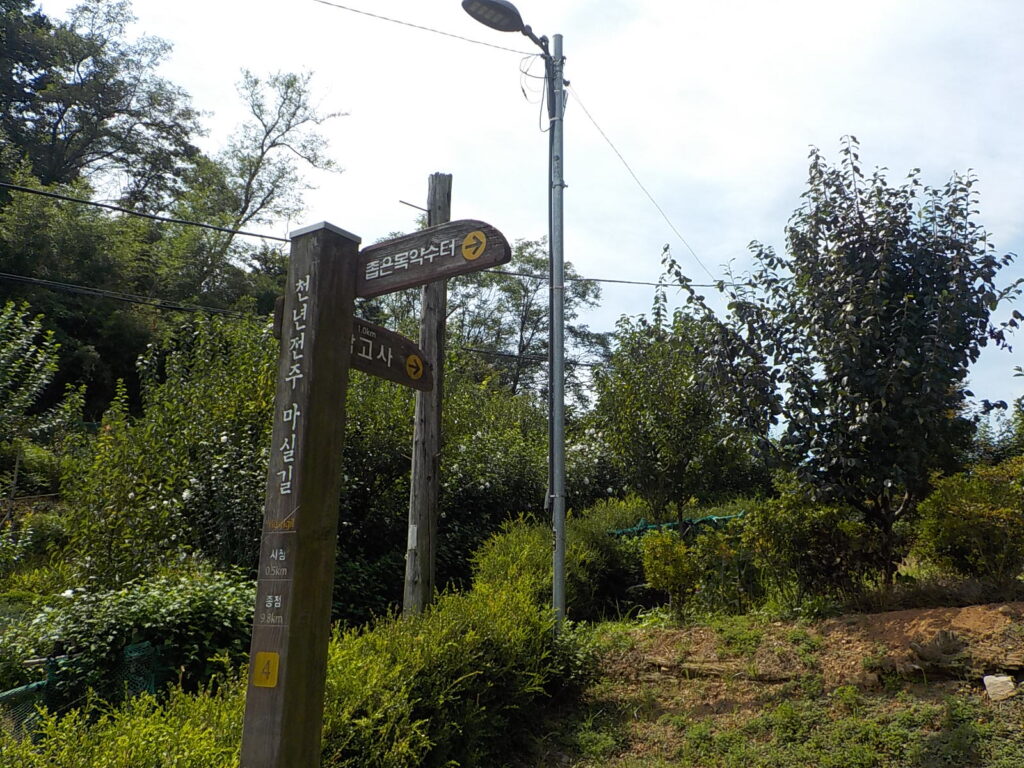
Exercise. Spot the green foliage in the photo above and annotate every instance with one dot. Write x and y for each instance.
(505, 317)
(669, 567)
(191, 614)
(78, 97)
(189, 474)
(454, 686)
(803, 548)
(462, 684)
(600, 569)
(664, 425)
(730, 579)
(971, 523)
(999, 436)
(38, 536)
(27, 363)
(862, 334)
(183, 730)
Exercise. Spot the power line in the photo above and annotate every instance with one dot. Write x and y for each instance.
(140, 214)
(527, 358)
(117, 295)
(424, 29)
(186, 222)
(640, 183)
(614, 281)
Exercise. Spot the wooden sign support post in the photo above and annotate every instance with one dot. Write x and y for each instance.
(424, 489)
(319, 341)
(288, 659)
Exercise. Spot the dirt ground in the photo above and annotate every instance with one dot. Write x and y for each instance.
(698, 672)
(979, 640)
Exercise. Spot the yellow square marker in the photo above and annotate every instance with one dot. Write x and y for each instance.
(264, 674)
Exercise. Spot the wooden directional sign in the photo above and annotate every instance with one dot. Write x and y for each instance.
(380, 352)
(432, 254)
(384, 353)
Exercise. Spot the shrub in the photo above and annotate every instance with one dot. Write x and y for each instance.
(804, 549)
(729, 579)
(457, 685)
(600, 568)
(36, 537)
(189, 615)
(669, 567)
(190, 470)
(462, 684)
(184, 730)
(971, 523)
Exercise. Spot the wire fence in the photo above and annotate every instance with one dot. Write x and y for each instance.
(21, 709)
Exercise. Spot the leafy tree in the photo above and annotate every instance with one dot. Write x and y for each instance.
(77, 98)
(28, 359)
(27, 362)
(99, 338)
(255, 179)
(664, 424)
(252, 180)
(870, 320)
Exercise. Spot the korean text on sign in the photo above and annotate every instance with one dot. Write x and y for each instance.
(388, 265)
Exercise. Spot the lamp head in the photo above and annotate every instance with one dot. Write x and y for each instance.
(496, 14)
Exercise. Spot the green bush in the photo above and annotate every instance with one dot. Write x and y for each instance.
(458, 685)
(670, 567)
(716, 566)
(462, 684)
(190, 615)
(189, 472)
(728, 578)
(37, 536)
(183, 730)
(804, 549)
(600, 568)
(972, 523)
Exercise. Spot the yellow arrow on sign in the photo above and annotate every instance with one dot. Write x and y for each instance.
(473, 245)
(414, 367)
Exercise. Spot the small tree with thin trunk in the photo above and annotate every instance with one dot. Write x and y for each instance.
(869, 322)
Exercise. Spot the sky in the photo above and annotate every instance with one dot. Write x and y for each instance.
(714, 107)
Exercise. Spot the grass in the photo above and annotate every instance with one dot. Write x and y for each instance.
(658, 720)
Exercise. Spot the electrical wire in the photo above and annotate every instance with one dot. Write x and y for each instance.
(186, 222)
(527, 358)
(117, 295)
(721, 283)
(140, 214)
(421, 27)
(639, 183)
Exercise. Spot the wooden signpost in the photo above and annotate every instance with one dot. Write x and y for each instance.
(435, 253)
(380, 352)
(291, 626)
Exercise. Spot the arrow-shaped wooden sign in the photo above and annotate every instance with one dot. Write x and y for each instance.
(432, 254)
(384, 353)
(380, 352)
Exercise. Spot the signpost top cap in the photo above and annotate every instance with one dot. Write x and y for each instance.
(327, 226)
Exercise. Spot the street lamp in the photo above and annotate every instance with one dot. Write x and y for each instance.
(503, 16)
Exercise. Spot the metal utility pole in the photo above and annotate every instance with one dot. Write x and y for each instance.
(424, 489)
(503, 16)
(556, 390)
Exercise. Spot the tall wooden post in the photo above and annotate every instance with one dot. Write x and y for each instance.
(424, 490)
(288, 659)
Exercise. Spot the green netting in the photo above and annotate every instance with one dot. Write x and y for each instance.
(19, 707)
(690, 524)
